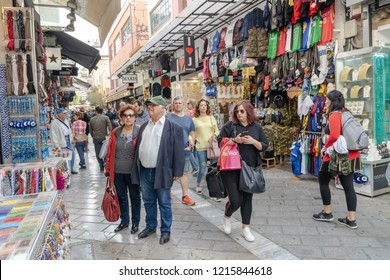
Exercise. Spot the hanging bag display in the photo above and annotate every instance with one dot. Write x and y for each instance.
(213, 151)
(236, 61)
(110, 203)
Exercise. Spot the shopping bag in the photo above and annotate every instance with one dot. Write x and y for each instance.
(110, 203)
(104, 149)
(230, 156)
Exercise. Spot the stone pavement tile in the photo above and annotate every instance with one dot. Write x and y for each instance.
(180, 225)
(338, 230)
(283, 207)
(229, 246)
(325, 241)
(377, 253)
(75, 233)
(297, 214)
(85, 205)
(203, 225)
(95, 235)
(267, 230)
(283, 239)
(306, 252)
(192, 243)
(212, 235)
(300, 230)
(92, 219)
(360, 242)
(124, 237)
(107, 247)
(268, 214)
(80, 251)
(338, 253)
(90, 226)
(185, 233)
(284, 221)
(193, 218)
(373, 232)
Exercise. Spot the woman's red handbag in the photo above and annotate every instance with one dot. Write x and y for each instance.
(110, 203)
(230, 156)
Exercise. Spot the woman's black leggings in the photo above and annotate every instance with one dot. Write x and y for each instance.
(324, 178)
(237, 198)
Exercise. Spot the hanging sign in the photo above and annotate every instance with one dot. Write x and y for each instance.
(53, 59)
(189, 53)
(130, 78)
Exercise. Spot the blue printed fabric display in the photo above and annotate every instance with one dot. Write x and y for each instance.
(4, 119)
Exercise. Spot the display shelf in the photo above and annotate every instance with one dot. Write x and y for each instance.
(26, 226)
(364, 76)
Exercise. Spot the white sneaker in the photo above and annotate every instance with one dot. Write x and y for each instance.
(246, 233)
(199, 189)
(227, 225)
(216, 199)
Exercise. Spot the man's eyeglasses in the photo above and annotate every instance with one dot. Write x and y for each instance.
(128, 116)
(239, 111)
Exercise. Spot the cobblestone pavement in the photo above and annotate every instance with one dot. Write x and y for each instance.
(281, 222)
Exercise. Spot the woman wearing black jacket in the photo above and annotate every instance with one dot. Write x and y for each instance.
(251, 139)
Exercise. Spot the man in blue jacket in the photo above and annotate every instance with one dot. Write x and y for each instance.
(159, 161)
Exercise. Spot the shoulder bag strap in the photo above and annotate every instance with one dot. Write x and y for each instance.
(63, 123)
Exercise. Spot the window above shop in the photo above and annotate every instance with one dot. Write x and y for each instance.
(160, 15)
(126, 32)
(117, 44)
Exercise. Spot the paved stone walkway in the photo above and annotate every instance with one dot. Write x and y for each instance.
(281, 222)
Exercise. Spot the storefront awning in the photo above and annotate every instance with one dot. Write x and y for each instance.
(76, 50)
(199, 19)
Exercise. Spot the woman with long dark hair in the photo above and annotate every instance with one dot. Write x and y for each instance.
(119, 164)
(335, 105)
(251, 139)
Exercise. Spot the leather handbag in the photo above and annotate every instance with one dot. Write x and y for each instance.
(213, 151)
(251, 179)
(214, 183)
(110, 203)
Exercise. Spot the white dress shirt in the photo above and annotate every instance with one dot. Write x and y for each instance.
(150, 143)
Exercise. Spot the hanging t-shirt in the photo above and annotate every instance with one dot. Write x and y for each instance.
(327, 16)
(305, 9)
(282, 41)
(316, 29)
(303, 59)
(206, 68)
(288, 37)
(273, 44)
(306, 30)
(288, 11)
(323, 67)
(229, 35)
(214, 48)
(165, 81)
(290, 64)
(222, 35)
(296, 36)
(236, 32)
(314, 6)
(211, 91)
(221, 67)
(266, 17)
(213, 66)
(297, 11)
(210, 41)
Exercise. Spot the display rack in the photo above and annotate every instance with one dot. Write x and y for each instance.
(28, 224)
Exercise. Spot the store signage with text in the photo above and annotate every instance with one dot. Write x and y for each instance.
(130, 78)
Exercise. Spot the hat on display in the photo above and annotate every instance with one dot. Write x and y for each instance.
(61, 111)
(298, 81)
(156, 100)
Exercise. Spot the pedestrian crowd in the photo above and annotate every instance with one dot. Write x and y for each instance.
(149, 146)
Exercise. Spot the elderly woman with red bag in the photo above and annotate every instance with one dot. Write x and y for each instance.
(248, 135)
(119, 165)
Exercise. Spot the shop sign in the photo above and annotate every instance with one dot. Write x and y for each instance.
(133, 78)
(53, 59)
(381, 176)
(189, 53)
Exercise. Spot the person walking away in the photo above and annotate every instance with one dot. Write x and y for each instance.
(79, 128)
(119, 163)
(205, 127)
(251, 139)
(187, 124)
(159, 161)
(142, 115)
(85, 117)
(335, 105)
(60, 134)
(191, 103)
(100, 126)
(113, 117)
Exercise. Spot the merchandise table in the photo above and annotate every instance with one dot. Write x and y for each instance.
(33, 226)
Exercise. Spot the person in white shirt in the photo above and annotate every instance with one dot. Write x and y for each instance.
(159, 161)
(61, 134)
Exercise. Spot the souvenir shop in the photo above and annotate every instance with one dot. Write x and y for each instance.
(33, 222)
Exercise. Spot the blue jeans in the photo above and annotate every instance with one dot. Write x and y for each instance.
(194, 160)
(80, 151)
(202, 160)
(150, 196)
(122, 184)
(70, 147)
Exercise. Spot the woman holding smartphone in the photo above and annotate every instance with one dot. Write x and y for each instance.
(250, 137)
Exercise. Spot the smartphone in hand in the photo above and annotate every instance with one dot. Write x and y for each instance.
(244, 133)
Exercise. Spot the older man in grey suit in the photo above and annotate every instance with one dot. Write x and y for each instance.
(159, 161)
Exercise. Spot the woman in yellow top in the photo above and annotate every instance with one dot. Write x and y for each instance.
(205, 127)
